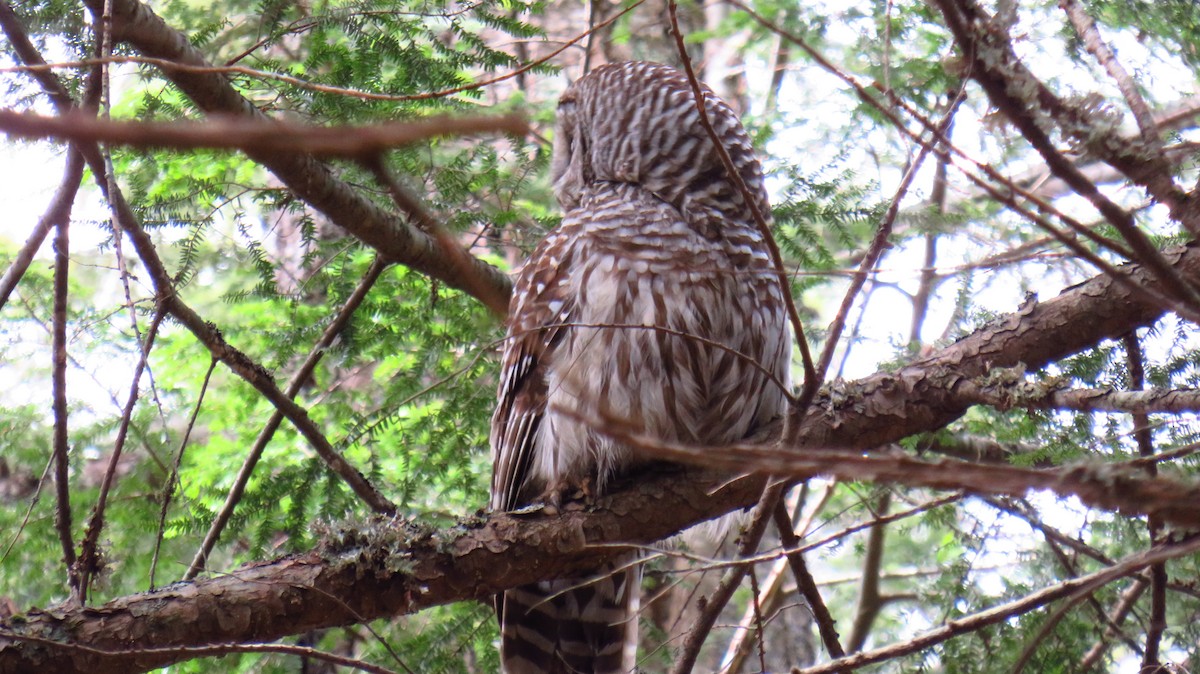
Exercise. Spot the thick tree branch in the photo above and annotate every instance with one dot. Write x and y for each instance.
(1026, 101)
(310, 179)
(383, 568)
(323, 589)
(252, 135)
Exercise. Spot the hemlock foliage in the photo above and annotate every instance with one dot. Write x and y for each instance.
(406, 389)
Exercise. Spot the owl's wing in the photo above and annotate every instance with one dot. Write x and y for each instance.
(541, 307)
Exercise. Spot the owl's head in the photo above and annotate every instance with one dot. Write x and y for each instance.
(636, 122)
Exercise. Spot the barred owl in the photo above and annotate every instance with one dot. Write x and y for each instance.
(654, 302)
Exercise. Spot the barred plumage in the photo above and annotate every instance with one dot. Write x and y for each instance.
(654, 302)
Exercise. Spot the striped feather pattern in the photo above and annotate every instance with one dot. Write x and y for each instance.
(654, 302)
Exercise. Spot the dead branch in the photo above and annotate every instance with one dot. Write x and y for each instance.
(1036, 600)
(1021, 394)
(253, 135)
(310, 179)
(269, 600)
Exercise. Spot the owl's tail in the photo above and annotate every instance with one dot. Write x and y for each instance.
(572, 626)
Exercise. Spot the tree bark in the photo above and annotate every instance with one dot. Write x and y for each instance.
(309, 178)
(387, 568)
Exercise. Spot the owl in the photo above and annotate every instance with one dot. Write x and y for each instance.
(655, 303)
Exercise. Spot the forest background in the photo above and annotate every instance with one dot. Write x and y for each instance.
(248, 349)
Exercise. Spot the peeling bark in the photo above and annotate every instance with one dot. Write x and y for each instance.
(388, 569)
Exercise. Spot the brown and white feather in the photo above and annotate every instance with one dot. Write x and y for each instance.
(654, 302)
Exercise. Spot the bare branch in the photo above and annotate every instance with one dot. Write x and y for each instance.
(1158, 572)
(313, 181)
(750, 537)
(89, 560)
(870, 599)
(302, 374)
(1115, 617)
(59, 211)
(253, 135)
(1018, 394)
(62, 263)
(168, 490)
(826, 626)
(1036, 600)
(1094, 43)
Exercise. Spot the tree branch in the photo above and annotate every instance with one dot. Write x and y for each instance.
(1036, 600)
(388, 571)
(382, 568)
(310, 179)
(253, 135)
(1017, 393)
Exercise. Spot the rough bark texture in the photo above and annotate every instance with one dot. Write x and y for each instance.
(382, 568)
(387, 569)
(887, 406)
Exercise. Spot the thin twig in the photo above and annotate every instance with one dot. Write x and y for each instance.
(702, 626)
(62, 519)
(1047, 628)
(168, 491)
(168, 65)
(1158, 573)
(1114, 618)
(309, 178)
(870, 599)
(1008, 395)
(459, 258)
(773, 592)
(302, 374)
(883, 232)
(59, 211)
(826, 625)
(89, 555)
(1012, 609)
(811, 379)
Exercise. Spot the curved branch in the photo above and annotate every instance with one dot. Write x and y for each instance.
(309, 178)
(387, 569)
